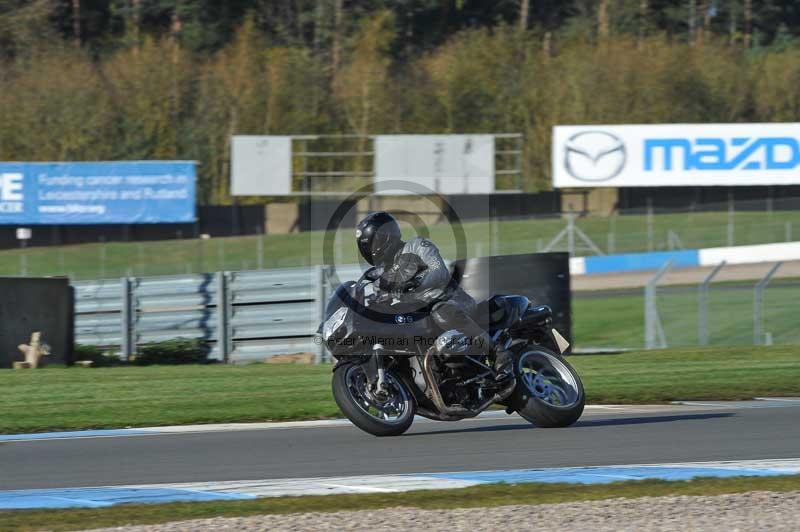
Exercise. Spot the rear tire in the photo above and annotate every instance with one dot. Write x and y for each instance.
(549, 392)
(363, 409)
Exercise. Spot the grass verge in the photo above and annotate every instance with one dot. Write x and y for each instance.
(74, 398)
(478, 496)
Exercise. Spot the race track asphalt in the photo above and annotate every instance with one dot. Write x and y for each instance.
(635, 435)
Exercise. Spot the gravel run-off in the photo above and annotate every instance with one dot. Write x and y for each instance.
(756, 511)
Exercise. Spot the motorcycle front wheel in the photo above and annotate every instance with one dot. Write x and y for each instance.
(389, 414)
(549, 392)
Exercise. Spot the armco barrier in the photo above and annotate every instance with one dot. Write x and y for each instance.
(243, 316)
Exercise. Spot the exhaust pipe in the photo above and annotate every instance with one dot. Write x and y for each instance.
(458, 412)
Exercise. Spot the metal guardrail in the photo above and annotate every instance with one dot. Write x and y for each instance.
(243, 316)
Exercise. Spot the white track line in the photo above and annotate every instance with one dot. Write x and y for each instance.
(492, 415)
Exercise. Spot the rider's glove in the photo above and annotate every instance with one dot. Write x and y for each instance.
(373, 274)
(402, 274)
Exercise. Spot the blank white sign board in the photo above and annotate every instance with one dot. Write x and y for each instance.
(261, 165)
(446, 164)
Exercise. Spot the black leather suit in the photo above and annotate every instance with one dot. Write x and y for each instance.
(418, 270)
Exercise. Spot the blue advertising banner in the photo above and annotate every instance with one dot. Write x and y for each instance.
(97, 193)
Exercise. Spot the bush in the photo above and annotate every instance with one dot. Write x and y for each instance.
(99, 358)
(177, 351)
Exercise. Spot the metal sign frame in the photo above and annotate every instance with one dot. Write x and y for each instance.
(320, 163)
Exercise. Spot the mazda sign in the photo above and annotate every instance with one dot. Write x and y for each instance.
(594, 156)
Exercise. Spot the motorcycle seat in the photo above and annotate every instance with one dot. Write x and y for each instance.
(498, 312)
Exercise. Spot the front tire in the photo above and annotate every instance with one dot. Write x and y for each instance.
(390, 416)
(549, 392)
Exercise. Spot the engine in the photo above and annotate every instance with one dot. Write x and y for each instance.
(458, 368)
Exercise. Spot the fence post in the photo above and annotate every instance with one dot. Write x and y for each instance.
(221, 254)
(730, 219)
(223, 316)
(102, 252)
(758, 300)
(788, 231)
(653, 330)
(612, 234)
(702, 305)
(128, 317)
(571, 234)
(140, 264)
(495, 243)
(260, 249)
(320, 280)
(570, 231)
(650, 228)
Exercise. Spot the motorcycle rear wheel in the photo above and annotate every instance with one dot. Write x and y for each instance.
(549, 392)
(391, 415)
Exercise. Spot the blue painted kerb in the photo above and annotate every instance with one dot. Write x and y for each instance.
(109, 496)
(604, 475)
(103, 497)
(642, 261)
(73, 434)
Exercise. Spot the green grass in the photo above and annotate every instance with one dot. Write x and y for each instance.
(74, 398)
(114, 259)
(722, 373)
(608, 319)
(478, 496)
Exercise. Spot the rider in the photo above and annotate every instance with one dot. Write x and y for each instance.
(416, 269)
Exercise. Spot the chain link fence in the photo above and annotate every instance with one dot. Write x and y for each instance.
(636, 230)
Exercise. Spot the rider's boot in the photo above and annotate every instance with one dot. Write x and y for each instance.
(503, 361)
(503, 365)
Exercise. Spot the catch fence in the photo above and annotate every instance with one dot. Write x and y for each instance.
(723, 308)
(629, 231)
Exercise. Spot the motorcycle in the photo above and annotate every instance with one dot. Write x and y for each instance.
(392, 362)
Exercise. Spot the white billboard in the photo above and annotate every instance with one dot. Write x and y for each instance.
(446, 164)
(676, 155)
(261, 165)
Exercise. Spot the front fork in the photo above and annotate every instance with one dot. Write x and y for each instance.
(375, 370)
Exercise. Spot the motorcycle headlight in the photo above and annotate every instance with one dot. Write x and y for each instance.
(333, 323)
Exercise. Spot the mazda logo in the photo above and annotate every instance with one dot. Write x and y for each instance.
(594, 156)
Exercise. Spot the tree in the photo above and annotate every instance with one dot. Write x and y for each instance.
(602, 18)
(524, 9)
(748, 23)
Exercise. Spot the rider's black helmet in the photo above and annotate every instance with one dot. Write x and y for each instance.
(378, 236)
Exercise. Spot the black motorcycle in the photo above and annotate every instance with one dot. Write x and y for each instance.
(392, 362)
